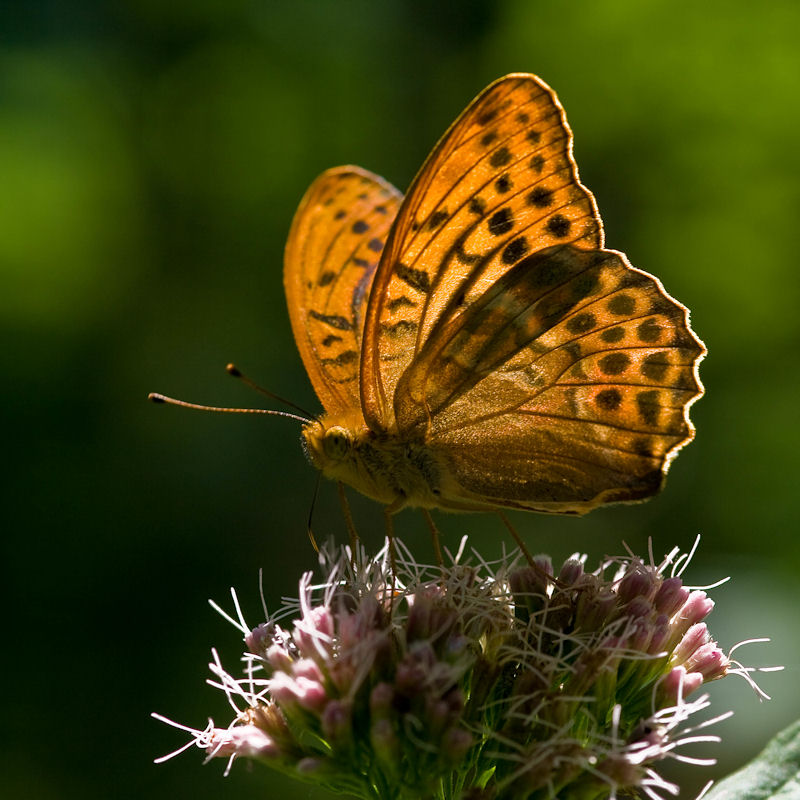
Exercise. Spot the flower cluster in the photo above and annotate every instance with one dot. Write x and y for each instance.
(502, 680)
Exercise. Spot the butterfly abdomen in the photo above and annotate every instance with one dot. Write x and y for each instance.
(389, 469)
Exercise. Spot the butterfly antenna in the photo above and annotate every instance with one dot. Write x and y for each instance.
(155, 397)
(233, 370)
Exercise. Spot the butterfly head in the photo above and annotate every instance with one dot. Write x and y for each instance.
(328, 447)
(337, 442)
(342, 450)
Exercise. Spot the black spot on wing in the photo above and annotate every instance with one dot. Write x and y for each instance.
(400, 302)
(460, 252)
(504, 184)
(540, 197)
(558, 226)
(334, 320)
(582, 323)
(346, 357)
(615, 363)
(621, 305)
(501, 222)
(437, 218)
(608, 399)
(404, 326)
(649, 331)
(654, 367)
(613, 335)
(487, 115)
(477, 206)
(500, 157)
(648, 406)
(360, 290)
(415, 278)
(544, 272)
(515, 250)
(585, 284)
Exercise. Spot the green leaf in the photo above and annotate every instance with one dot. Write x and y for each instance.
(775, 773)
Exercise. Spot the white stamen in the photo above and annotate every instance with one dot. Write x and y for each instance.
(237, 623)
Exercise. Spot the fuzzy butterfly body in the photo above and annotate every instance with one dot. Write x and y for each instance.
(473, 344)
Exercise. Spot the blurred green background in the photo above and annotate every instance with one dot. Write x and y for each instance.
(151, 157)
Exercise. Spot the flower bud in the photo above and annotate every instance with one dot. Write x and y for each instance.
(671, 595)
(246, 741)
(259, 639)
(594, 609)
(384, 742)
(313, 633)
(638, 607)
(337, 724)
(677, 684)
(695, 637)
(278, 658)
(380, 700)
(709, 661)
(696, 608)
(571, 572)
(637, 582)
(455, 745)
(529, 588)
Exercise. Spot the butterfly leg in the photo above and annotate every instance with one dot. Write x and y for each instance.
(348, 521)
(388, 512)
(310, 532)
(312, 538)
(435, 536)
(517, 539)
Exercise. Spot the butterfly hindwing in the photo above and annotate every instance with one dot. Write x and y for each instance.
(565, 385)
(500, 185)
(332, 253)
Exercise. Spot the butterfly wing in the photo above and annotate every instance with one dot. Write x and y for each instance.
(566, 385)
(501, 184)
(334, 245)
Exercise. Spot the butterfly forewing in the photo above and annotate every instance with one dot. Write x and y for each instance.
(501, 184)
(332, 253)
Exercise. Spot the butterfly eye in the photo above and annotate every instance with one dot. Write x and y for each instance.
(336, 443)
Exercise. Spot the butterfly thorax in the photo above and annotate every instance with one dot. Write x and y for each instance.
(384, 467)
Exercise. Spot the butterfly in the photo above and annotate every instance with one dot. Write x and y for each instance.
(473, 343)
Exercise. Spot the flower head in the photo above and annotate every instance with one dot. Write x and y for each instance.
(477, 680)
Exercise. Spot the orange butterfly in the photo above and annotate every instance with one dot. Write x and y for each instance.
(473, 344)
